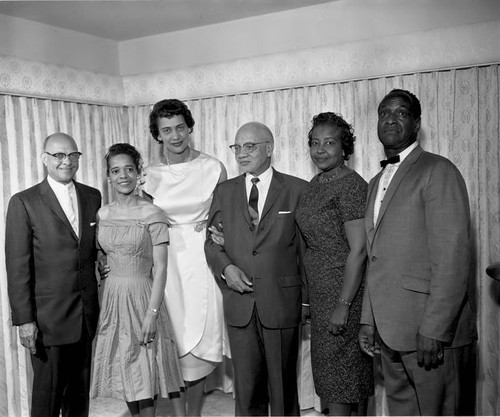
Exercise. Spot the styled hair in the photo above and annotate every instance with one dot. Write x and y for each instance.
(169, 108)
(336, 120)
(410, 98)
(124, 149)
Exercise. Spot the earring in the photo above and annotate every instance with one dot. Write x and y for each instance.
(109, 180)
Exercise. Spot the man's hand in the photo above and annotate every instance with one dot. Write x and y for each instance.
(366, 339)
(217, 235)
(237, 280)
(103, 267)
(430, 352)
(27, 334)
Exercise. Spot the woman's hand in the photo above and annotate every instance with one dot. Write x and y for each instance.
(217, 235)
(338, 320)
(149, 328)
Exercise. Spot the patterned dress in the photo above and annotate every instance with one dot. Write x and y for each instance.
(122, 368)
(341, 372)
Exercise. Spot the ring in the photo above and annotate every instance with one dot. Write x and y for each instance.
(440, 355)
(150, 340)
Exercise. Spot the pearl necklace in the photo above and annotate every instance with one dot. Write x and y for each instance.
(176, 172)
(335, 173)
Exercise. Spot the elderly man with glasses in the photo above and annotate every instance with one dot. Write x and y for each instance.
(50, 258)
(260, 273)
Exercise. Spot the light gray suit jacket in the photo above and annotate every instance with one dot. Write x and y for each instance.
(419, 255)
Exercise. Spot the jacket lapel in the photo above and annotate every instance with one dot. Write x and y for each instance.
(241, 198)
(83, 216)
(370, 207)
(273, 193)
(402, 171)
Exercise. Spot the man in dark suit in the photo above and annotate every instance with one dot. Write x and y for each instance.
(416, 308)
(259, 271)
(50, 257)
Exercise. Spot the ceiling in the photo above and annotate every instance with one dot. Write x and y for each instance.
(121, 20)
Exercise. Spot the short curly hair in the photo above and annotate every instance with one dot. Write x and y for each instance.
(169, 108)
(334, 119)
(124, 149)
(410, 98)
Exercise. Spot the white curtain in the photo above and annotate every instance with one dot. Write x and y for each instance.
(24, 124)
(460, 120)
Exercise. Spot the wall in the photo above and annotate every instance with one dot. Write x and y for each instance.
(329, 24)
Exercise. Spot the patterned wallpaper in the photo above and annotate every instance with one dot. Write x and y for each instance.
(36, 79)
(436, 49)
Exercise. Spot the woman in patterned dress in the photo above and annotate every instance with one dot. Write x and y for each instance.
(135, 355)
(330, 215)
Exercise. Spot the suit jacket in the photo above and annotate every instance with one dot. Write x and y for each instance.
(419, 255)
(270, 256)
(50, 270)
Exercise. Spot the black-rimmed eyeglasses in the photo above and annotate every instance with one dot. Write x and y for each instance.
(248, 147)
(61, 156)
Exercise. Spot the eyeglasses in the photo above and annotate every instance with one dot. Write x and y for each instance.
(248, 147)
(61, 156)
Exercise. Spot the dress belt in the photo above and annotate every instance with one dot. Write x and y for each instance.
(197, 226)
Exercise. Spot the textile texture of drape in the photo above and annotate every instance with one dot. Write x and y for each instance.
(460, 120)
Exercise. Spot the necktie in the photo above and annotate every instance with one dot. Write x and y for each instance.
(70, 211)
(391, 160)
(253, 201)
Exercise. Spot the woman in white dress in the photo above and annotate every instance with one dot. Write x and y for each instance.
(182, 184)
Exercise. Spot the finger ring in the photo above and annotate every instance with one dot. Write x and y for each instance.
(440, 355)
(150, 340)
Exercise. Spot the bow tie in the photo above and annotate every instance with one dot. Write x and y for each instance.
(391, 160)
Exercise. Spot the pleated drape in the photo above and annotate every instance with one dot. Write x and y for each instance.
(24, 124)
(460, 120)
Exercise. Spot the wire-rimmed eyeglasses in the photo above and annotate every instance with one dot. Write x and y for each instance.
(248, 147)
(61, 156)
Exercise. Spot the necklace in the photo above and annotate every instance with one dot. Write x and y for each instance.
(175, 170)
(334, 174)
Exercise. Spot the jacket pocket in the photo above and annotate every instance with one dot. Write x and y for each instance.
(417, 284)
(290, 280)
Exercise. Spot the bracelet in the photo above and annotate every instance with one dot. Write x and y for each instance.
(154, 310)
(305, 305)
(345, 302)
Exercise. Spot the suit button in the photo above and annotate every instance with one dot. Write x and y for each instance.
(254, 253)
(374, 258)
(250, 228)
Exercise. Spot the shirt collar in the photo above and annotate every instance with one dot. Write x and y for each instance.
(406, 152)
(264, 177)
(59, 187)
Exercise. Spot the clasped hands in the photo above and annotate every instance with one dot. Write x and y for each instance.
(430, 352)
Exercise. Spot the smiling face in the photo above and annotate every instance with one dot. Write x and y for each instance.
(397, 127)
(258, 160)
(326, 147)
(174, 133)
(60, 171)
(122, 173)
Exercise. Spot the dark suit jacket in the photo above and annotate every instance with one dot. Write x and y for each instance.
(270, 256)
(419, 255)
(51, 271)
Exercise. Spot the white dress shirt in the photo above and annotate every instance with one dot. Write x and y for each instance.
(61, 192)
(263, 187)
(386, 178)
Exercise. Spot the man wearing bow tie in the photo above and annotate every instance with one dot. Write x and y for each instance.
(259, 271)
(50, 258)
(416, 308)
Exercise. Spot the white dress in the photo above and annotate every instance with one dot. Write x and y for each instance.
(194, 301)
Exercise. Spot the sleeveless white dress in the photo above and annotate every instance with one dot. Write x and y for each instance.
(194, 301)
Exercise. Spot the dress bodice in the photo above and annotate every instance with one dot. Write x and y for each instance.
(128, 243)
(184, 191)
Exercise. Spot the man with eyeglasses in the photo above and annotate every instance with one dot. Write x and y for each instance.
(260, 273)
(50, 258)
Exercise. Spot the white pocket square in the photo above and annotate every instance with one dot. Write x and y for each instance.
(92, 224)
(284, 212)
